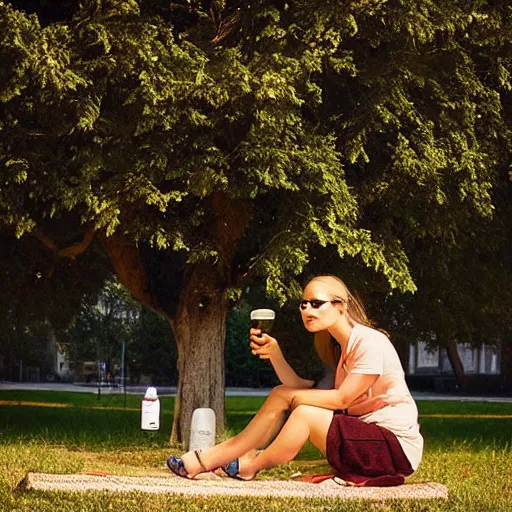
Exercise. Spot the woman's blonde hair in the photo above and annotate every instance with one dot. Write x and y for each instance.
(328, 350)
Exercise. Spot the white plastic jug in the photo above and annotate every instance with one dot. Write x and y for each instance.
(150, 410)
(202, 429)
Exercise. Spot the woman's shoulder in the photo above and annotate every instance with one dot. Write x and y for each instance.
(365, 333)
(368, 341)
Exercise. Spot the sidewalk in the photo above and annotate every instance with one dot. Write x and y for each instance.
(171, 391)
(130, 390)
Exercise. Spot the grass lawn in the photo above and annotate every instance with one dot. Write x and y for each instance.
(467, 447)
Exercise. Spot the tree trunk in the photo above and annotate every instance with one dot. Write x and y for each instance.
(199, 322)
(457, 367)
(199, 329)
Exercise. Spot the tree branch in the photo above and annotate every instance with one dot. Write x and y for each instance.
(226, 26)
(231, 218)
(214, 15)
(125, 258)
(46, 241)
(76, 249)
(67, 252)
(187, 8)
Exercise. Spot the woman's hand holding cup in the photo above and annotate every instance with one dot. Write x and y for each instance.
(262, 344)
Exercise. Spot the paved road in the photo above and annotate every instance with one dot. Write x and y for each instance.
(171, 391)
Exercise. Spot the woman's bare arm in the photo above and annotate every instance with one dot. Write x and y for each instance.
(267, 347)
(353, 386)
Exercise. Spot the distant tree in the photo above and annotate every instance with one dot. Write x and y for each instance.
(34, 308)
(464, 293)
(25, 347)
(202, 143)
(153, 350)
(102, 325)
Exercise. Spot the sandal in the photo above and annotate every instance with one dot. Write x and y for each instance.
(175, 464)
(232, 470)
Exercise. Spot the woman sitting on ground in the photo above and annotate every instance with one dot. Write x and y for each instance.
(366, 423)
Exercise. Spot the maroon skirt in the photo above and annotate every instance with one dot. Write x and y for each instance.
(364, 453)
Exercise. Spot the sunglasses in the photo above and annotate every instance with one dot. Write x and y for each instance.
(315, 303)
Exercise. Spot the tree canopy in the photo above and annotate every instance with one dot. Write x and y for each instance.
(200, 143)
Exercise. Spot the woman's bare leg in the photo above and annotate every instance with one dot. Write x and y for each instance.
(260, 430)
(305, 422)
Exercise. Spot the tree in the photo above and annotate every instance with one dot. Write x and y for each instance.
(464, 290)
(34, 308)
(102, 325)
(153, 351)
(24, 349)
(419, 100)
(202, 143)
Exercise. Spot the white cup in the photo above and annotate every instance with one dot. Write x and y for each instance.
(262, 319)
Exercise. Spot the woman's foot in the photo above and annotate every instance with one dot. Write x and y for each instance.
(175, 464)
(187, 466)
(240, 468)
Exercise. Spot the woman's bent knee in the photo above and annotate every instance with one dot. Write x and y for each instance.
(306, 411)
(280, 397)
(312, 414)
(281, 392)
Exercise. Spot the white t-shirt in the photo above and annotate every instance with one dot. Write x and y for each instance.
(370, 352)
